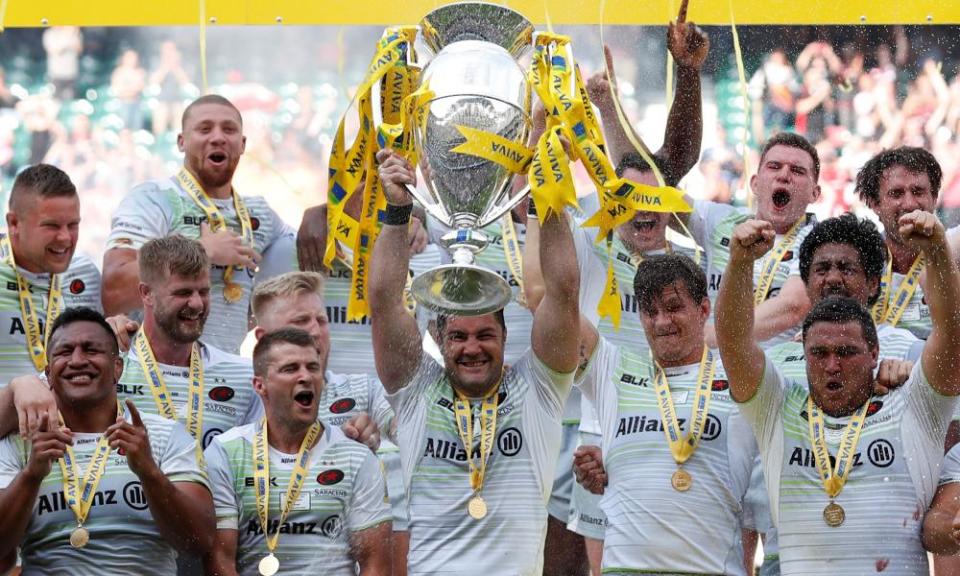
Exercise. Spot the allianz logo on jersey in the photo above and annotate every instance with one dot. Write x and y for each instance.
(509, 444)
(880, 453)
(57, 502)
(642, 424)
(331, 527)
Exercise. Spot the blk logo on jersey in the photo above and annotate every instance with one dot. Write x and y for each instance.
(635, 380)
(129, 389)
(330, 477)
(221, 393)
(343, 406)
(134, 496)
(77, 286)
(509, 441)
(880, 452)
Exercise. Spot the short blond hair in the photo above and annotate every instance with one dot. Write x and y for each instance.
(174, 254)
(285, 286)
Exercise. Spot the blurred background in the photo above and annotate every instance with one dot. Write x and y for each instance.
(104, 103)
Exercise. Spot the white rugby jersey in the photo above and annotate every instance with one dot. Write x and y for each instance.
(228, 396)
(161, 207)
(351, 348)
(519, 474)
(895, 343)
(705, 522)
(891, 484)
(124, 539)
(519, 319)
(79, 285)
(342, 494)
(712, 225)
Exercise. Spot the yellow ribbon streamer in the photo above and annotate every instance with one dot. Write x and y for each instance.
(511, 155)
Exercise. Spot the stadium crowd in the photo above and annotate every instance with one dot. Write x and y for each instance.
(781, 373)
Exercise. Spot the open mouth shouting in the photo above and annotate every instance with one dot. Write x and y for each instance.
(304, 398)
(217, 158)
(644, 222)
(780, 199)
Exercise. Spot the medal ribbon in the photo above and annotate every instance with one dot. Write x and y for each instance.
(834, 479)
(463, 416)
(682, 448)
(769, 269)
(513, 253)
(36, 342)
(79, 497)
(161, 396)
(884, 310)
(215, 218)
(349, 166)
(261, 478)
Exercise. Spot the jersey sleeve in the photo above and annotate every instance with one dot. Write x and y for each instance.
(279, 257)
(601, 363)
(763, 411)
(368, 506)
(12, 459)
(222, 486)
(931, 411)
(144, 214)
(178, 460)
(950, 472)
(380, 409)
(404, 400)
(706, 215)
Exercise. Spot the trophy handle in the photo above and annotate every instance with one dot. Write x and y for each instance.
(432, 208)
(496, 211)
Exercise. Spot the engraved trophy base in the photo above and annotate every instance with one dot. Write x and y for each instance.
(461, 290)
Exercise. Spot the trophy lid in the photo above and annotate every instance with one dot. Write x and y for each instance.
(477, 21)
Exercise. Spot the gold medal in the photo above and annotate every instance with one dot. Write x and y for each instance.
(681, 480)
(477, 508)
(79, 537)
(834, 515)
(269, 565)
(232, 292)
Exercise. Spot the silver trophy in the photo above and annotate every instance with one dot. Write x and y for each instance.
(477, 83)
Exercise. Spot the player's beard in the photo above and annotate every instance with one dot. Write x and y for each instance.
(170, 322)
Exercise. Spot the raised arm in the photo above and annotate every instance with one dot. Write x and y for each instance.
(555, 335)
(689, 46)
(941, 354)
(742, 357)
(396, 337)
(121, 276)
(534, 288)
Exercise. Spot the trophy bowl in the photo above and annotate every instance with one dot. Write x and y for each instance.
(478, 87)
